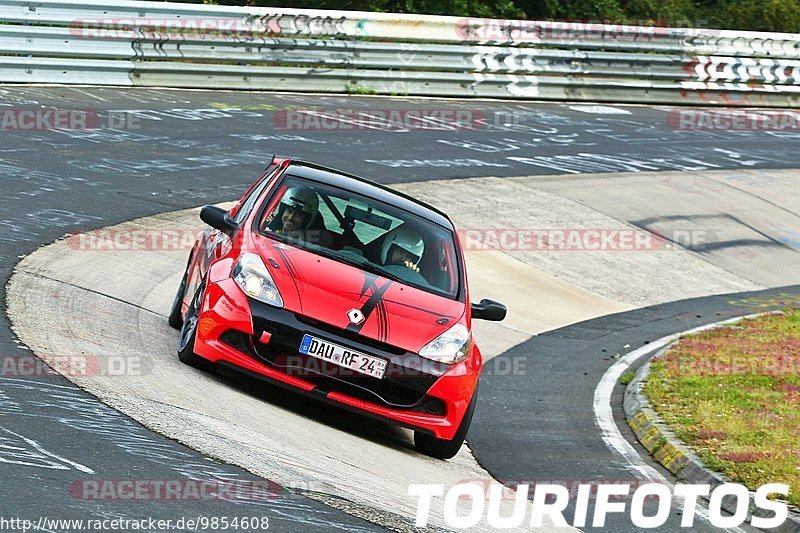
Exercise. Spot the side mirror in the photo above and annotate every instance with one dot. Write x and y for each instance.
(218, 218)
(489, 310)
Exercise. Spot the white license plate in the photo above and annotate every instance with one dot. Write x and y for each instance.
(328, 351)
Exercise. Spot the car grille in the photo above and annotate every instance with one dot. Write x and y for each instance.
(408, 377)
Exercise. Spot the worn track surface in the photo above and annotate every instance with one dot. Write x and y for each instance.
(167, 155)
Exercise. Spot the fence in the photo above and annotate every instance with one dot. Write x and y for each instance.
(154, 44)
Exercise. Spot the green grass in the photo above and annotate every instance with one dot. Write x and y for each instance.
(733, 394)
(360, 89)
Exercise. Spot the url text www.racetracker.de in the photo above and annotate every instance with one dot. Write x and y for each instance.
(198, 523)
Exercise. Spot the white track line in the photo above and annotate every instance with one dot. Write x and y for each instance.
(38, 447)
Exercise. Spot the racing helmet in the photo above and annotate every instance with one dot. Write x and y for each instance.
(302, 199)
(404, 238)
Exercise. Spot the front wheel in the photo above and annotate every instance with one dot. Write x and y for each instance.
(189, 334)
(443, 448)
(175, 319)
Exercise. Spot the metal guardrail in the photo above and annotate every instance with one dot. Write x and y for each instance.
(146, 44)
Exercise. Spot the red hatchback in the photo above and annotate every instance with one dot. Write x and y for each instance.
(342, 289)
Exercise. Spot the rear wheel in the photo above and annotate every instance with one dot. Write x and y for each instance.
(443, 448)
(189, 334)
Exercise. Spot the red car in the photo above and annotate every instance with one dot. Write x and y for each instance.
(342, 289)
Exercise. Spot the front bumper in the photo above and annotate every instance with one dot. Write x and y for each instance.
(415, 392)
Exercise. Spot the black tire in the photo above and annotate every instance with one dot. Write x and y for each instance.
(443, 448)
(189, 333)
(175, 319)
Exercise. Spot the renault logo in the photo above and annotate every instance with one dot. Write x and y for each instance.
(356, 317)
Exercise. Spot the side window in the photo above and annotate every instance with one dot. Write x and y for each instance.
(251, 200)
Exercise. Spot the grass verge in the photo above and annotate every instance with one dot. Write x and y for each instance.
(733, 394)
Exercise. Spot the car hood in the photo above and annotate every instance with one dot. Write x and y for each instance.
(326, 290)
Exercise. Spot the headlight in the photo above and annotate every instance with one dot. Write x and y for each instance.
(451, 346)
(255, 280)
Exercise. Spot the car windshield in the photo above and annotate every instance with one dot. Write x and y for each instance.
(363, 232)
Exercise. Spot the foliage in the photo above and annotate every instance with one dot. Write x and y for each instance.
(756, 15)
(764, 15)
(626, 377)
(733, 394)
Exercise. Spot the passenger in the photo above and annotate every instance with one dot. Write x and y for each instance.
(403, 246)
(296, 212)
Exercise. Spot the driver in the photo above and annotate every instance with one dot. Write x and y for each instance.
(403, 246)
(297, 209)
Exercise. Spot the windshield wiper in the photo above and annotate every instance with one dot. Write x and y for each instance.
(377, 269)
(364, 264)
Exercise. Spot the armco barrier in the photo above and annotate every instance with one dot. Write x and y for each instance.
(146, 44)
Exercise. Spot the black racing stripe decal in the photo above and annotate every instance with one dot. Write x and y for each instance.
(382, 321)
(384, 316)
(287, 262)
(370, 305)
(421, 309)
(369, 283)
(379, 316)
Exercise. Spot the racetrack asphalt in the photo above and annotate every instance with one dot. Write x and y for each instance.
(553, 438)
(166, 158)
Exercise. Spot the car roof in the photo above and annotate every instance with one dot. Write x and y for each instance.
(370, 189)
